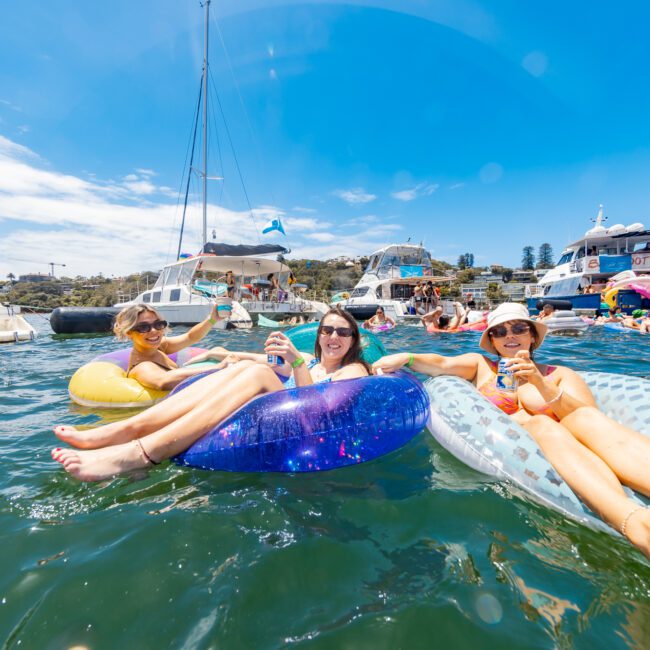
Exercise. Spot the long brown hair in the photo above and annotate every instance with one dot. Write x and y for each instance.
(353, 355)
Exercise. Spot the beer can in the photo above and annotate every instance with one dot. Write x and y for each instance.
(506, 380)
(275, 360)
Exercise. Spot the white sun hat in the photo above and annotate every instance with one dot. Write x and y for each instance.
(506, 312)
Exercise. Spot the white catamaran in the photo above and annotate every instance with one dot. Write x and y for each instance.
(187, 288)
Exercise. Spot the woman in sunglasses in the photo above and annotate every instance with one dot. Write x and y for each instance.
(171, 426)
(149, 363)
(594, 454)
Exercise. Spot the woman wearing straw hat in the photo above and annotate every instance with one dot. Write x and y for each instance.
(593, 453)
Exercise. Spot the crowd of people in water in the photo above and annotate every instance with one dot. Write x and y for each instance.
(593, 453)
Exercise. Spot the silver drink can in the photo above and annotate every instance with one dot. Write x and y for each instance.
(506, 380)
(275, 360)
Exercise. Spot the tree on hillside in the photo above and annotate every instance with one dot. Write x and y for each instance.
(506, 275)
(11, 277)
(466, 261)
(528, 258)
(545, 257)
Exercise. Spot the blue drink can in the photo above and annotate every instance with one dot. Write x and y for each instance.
(506, 380)
(275, 360)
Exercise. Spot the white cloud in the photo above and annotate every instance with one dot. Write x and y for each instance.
(322, 236)
(297, 208)
(456, 186)
(535, 63)
(421, 189)
(355, 196)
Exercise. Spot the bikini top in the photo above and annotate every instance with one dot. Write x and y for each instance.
(291, 382)
(166, 363)
(509, 402)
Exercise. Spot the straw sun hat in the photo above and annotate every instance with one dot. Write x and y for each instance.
(506, 312)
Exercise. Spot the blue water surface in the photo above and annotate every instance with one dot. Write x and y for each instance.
(411, 550)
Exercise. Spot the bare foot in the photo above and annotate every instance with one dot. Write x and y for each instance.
(104, 436)
(100, 464)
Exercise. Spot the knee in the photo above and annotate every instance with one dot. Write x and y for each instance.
(543, 428)
(582, 416)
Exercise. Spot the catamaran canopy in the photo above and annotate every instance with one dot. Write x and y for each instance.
(243, 250)
(248, 266)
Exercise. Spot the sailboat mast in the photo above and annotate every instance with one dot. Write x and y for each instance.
(205, 125)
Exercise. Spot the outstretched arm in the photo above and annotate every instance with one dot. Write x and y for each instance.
(153, 376)
(464, 365)
(194, 335)
(219, 353)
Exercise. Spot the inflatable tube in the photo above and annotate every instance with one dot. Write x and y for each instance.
(619, 327)
(565, 322)
(486, 439)
(304, 338)
(480, 326)
(83, 320)
(610, 298)
(556, 304)
(102, 382)
(315, 428)
(384, 327)
(641, 289)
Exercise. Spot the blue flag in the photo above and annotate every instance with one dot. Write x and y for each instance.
(274, 224)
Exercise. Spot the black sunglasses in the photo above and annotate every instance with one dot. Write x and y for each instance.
(343, 332)
(499, 331)
(144, 328)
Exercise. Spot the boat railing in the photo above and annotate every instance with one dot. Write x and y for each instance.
(534, 291)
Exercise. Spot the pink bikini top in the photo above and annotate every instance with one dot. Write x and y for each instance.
(509, 402)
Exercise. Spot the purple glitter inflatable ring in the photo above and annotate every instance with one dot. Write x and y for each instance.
(315, 428)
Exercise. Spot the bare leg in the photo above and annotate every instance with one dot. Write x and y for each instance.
(173, 438)
(153, 418)
(625, 451)
(591, 479)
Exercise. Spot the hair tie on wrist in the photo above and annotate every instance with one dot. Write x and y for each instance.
(409, 363)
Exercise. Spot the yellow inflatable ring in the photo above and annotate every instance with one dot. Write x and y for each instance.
(102, 383)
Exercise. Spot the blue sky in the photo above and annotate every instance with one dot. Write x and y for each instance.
(473, 126)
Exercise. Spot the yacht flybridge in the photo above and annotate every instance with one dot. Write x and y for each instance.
(388, 281)
(587, 264)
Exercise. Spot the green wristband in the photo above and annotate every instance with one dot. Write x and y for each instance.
(298, 362)
(409, 363)
(212, 321)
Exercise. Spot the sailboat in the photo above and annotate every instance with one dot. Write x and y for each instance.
(188, 287)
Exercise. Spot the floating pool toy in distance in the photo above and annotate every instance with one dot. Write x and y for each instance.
(486, 439)
(315, 428)
(102, 382)
(384, 327)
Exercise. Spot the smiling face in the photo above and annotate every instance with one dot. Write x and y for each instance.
(151, 339)
(334, 347)
(519, 335)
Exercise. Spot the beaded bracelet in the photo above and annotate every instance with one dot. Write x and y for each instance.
(627, 518)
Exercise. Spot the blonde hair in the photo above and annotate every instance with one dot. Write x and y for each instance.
(128, 317)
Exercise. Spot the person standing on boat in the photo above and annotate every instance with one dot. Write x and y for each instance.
(230, 284)
(592, 452)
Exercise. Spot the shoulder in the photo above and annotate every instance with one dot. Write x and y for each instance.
(351, 371)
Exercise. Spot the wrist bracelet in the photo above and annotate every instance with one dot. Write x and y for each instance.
(557, 397)
(298, 362)
(409, 363)
(212, 321)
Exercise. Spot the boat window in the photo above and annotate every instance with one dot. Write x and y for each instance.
(565, 258)
(156, 296)
(374, 260)
(172, 275)
(581, 254)
(187, 271)
(174, 295)
(146, 297)
(642, 246)
(359, 292)
(401, 291)
(162, 278)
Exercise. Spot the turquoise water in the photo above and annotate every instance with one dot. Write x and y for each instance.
(412, 550)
